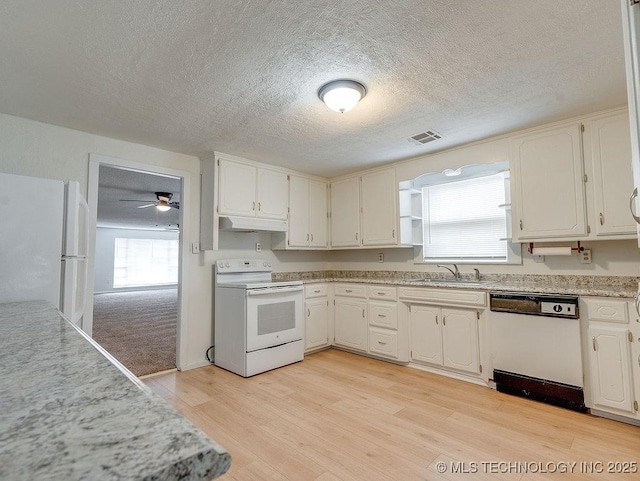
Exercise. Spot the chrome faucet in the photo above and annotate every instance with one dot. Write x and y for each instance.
(477, 273)
(456, 272)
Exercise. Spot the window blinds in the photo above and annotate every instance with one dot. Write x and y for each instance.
(465, 220)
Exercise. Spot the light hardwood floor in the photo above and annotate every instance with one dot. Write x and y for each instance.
(339, 416)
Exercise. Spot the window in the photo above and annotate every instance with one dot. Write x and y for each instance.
(145, 262)
(466, 215)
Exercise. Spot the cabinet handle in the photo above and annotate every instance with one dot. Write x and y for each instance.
(436, 319)
(356, 236)
(317, 291)
(308, 312)
(393, 234)
(311, 237)
(630, 336)
(638, 360)
(348, 290)
(362, 312)
(601, 219)
(520, 224)
(382, 293)
(383, 343)
(632, 200)
(593, 342)
(259, 205)
(307, 237)
(382, 315)
(444, 321)
(253, 205)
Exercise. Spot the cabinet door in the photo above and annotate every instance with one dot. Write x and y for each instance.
(460, 339)
(237, 187)
(351, 323)
(379, 208)
(317, 323)
(345, 213)
(298, 211)
(549, 184)
(612, 175)
(426, 334)
(610, 368)
(318, 222)
(273, 194)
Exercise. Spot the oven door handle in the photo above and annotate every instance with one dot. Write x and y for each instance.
(274, 290)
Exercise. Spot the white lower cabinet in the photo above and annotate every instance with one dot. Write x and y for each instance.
(445, 337)
(317, 333)
(610, 373)
(350, 317)
(612, 356)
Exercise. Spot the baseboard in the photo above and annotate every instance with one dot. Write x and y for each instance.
(195, 365)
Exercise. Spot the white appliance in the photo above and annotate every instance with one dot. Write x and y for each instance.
(258, 324)
(44, 236)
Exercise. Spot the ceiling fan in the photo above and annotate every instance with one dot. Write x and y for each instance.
(163, 202)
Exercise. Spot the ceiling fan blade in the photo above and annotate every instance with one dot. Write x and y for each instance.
(144, 206)
(134, 200)
(175, 205)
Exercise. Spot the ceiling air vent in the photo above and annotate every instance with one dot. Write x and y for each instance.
(424, 137)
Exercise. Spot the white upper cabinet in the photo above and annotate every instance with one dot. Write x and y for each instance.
(298, 211)
(237, 189)
(612, 180)
(272, 194)
(318, 208)
(345, 213)
(548, 185)
(308, 222)
(249, 191)
(379, 193)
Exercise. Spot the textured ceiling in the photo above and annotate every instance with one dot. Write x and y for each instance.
(241, 76)
(117, 184)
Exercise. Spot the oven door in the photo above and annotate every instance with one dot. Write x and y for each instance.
(275, 316)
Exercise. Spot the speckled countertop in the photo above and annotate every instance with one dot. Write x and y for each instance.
(67, 412)
(606, 286)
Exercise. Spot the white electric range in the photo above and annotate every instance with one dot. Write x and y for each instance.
(258, 323)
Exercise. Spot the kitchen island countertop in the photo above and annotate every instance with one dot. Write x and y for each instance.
(69, 411)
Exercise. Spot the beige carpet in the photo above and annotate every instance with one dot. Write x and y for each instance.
(138, 328)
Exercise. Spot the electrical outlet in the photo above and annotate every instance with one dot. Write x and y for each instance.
(195, 247)
(258, 247)
(585, 256)
(381, 257)
(538, 259)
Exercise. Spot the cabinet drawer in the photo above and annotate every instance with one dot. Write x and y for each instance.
(316, 290)
(609, 310)
(383, 342)
(382, 292)
(444, 296)
(383, 314)
(350, 290)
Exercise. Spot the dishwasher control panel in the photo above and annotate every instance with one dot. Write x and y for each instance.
(533, 304)
(557, 308)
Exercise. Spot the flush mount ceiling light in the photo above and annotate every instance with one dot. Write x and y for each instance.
(451, 172)
(342, 95)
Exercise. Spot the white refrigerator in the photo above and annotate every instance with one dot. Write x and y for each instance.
(44, 238)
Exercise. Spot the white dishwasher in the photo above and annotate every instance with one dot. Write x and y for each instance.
(535, 343)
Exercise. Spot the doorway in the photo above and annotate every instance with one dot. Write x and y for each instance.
(138, 215)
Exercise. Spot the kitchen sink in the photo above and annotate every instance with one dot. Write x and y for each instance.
(462, 282)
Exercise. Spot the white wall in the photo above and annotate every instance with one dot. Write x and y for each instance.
(105, 252)
(41, 150)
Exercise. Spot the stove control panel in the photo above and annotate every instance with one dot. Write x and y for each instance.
(243, 265)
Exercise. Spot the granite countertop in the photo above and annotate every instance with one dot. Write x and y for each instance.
(601, 286)
(68, 412)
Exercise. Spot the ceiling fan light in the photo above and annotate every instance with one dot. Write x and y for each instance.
(163, 206)
(342, 95)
